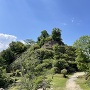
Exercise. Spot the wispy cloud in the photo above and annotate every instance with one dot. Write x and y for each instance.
(64, 24)
(5, 39)
(73, 19)
(76, 21)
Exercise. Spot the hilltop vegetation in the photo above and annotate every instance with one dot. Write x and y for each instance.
(29, 64)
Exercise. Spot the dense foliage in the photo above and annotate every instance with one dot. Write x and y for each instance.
(42, 37)
(83, 52)
(56, 36)
(32, 63)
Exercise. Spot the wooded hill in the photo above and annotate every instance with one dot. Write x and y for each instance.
(33, 61)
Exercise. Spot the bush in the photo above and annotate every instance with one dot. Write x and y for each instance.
(42, 82)
(42, 54)
(4, 80)
(18, 73)
(54, 70)
(64, 72)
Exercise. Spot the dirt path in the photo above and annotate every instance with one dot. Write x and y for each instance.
(71, 84)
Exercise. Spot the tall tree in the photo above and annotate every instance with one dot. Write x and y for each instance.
(83, 52)
(44, 34)
(56, 35)
(83, 43)
(42, 37)
(82, 60)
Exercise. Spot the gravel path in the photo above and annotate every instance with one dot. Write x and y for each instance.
(71, 84)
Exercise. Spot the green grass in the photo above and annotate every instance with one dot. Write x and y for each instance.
(58, 82)
(82, 82)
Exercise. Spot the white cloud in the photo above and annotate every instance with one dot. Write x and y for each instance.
(22, 41)
(76, 21)
(5, 39)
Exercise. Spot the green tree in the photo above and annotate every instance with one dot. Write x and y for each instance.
(70, 56)
(8, 56)
(56, 36)
(2, 61)
(60, 64)
(17, 47)
(58, 51)
(44, 34)
(83, 52)
(42, 37)
(83, 43)
(42, 54)
(82, 60)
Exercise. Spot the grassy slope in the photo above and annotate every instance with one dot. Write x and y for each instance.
(82, 82)
(58, 82)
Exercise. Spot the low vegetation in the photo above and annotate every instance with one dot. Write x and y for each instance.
(58, 82)
(84, 84)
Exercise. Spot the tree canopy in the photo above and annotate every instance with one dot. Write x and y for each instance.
(17, 47)
(56, 35)
(42, 37)
(83, 52)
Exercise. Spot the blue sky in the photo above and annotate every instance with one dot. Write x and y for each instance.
(25, 19)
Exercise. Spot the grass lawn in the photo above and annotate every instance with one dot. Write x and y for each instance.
(58, 82)
(82, 82)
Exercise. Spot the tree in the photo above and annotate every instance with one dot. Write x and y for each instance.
(83, 43)
(60, 64)
(29, 41)
(82, 60)
(2, 61)
(17, 47)
(56, 36)
(8, 56)
(42, 54)
(83, 52)
(58, 51)
(44, 34)
(42, 37)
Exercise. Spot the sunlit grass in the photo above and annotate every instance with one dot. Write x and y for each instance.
(58, 82)
(82, 82)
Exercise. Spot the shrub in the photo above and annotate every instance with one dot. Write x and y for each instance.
(42, 82)
(42, 54)
(4, 79)
(18, 73)
(54, 70)
(64, 72)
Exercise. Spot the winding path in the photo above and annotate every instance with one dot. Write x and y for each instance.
(71, 84)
